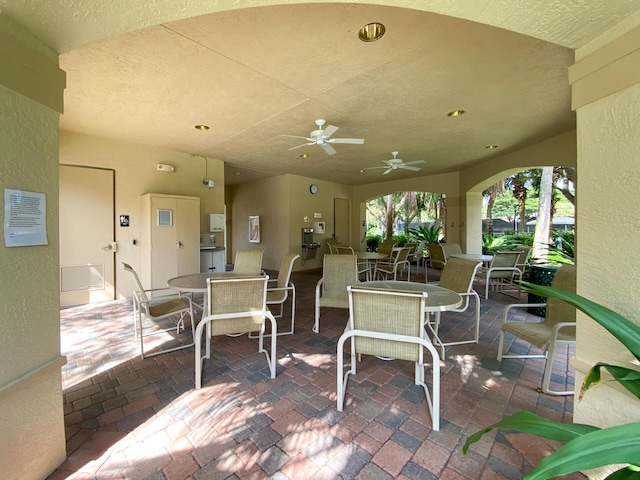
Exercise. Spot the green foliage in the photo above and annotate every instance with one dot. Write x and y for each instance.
(373, 241)
(585, 447)
(491, 245)
(400, 239)
(430, 234)
(520, 238)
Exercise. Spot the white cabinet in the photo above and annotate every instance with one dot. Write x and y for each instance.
(212, 260)
(170, 238)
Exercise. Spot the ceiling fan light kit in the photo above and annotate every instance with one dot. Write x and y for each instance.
(322, 137)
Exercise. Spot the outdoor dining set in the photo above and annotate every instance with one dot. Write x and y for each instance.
(389, 316)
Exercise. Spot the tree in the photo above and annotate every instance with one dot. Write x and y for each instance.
(518, 185)
(492, 193)
(542, 236)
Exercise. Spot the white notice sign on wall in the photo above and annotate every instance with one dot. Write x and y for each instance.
(25, 218)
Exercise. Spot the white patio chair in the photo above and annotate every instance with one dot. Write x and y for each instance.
(338, 272)
(156, 310)
(558, 327)
(458, 275)
(501, 271)
(385, 268)
(389, 325)
(237, 305)
(248, 262)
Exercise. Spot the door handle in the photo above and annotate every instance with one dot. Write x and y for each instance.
(113, 246)
(179, 245)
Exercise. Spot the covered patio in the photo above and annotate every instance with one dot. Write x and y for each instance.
(132, 418)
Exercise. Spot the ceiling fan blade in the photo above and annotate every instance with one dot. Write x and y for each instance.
(388, 170)
(303, 145)
(328, 148)
(413, 169)
(298, 136)
(330, 130)
(375, 168)
(355, 141)
(415, 162)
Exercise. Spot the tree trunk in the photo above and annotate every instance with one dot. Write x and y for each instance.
(541, 238)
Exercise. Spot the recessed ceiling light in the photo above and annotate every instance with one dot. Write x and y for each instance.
(371, 32)
(455, 113)
(304, 155)
(361, 170)
(202, 127)
(238, 174)
(491, 147)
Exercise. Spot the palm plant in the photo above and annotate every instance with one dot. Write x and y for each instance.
(491, 245)
(430, 234)
(585, 446)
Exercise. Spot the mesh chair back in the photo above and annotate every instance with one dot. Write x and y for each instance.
(504, 260)
(403, 255)
(241, 302)
(436, 255)
(458, 275)
(284, 274)
(342, 250)
(248, 262)
(451, 248)
(559, 310)
(398, 313)
(338, 272)
(386, 247)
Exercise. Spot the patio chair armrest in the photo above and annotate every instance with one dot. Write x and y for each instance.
(559, 326)
(519, 305)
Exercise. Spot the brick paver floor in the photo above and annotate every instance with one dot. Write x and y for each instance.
(135, 418)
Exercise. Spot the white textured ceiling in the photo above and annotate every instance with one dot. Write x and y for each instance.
(256, 73)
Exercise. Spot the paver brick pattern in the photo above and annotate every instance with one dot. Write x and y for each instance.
(134, 418)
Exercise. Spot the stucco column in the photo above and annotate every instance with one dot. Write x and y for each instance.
(31, 415)
(606, 96)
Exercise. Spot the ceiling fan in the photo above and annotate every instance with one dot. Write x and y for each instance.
(397, 163)
(323, 138)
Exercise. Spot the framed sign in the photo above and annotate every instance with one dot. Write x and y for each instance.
(254, 229)
(165, 218)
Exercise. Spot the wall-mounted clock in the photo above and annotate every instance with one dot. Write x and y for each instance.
(313, 188)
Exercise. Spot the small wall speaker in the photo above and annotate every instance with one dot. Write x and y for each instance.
(163, 167)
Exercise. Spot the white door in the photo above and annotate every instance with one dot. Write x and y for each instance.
(87, 256)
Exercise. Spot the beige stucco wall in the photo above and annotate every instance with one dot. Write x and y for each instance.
(135, 175)
(282, 203)
(608, 199)
(31, 416)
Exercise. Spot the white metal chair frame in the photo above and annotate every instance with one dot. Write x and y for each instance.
(398, 264)
(451, 278)
(278, 295)
(256, 314)
(156, 309)
(504, 273)
(352, 333)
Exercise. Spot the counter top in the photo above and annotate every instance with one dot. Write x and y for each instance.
(211, 248)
